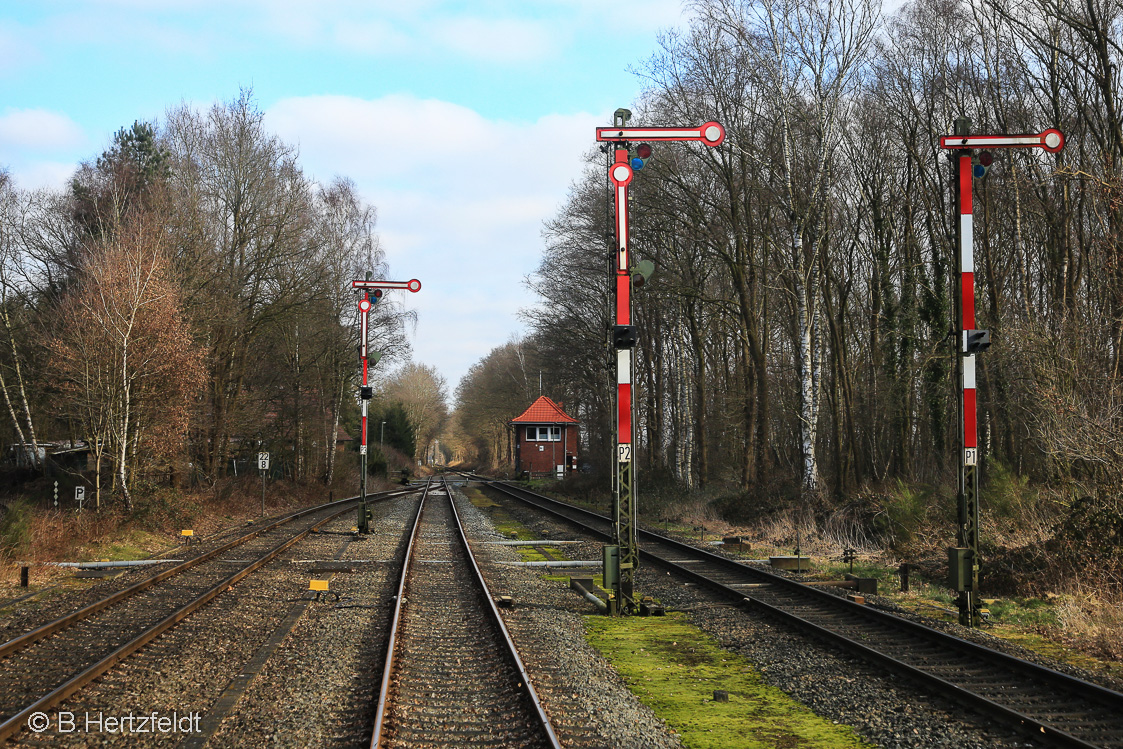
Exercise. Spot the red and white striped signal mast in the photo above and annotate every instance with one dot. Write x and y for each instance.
(372, 292)
(964, 560)
(622, 558)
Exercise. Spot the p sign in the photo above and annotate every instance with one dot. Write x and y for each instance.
(263, 461)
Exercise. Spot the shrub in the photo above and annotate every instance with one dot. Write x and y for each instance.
(903, 514)
(1090, 537)
(15, 528)
(1014, 513)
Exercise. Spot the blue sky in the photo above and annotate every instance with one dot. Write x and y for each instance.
(464, 123)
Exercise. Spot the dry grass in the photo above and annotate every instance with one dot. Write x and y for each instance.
(1092, 620)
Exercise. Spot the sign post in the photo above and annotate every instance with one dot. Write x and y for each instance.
(372, 292)
(964, 560)
(263, 466)
(620, 174)
(79, 496)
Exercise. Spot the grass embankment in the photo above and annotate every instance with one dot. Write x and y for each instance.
(673, 667)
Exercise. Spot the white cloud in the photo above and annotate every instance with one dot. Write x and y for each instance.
(461, 200)
(372, 38)
(40, 130)
(500, 40)
(16, 52)
(53, 175)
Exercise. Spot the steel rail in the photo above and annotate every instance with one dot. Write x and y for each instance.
(511, 649)
(50, 628)
(13, 724)
(1029, 725)
(396, 617)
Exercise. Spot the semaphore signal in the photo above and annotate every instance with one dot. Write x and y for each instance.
(372, 292)
(622, 558)
(964, 560)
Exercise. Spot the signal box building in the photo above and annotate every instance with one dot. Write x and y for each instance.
(545, 440)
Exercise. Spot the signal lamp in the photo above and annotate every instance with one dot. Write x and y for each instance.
(641, 273)
(982, 164)
(643, 153)
(366, 392)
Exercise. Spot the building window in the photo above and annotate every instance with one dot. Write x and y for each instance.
(543, 434)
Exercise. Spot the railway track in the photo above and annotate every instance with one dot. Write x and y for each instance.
(44, 666)
(1053, 708)
(452, 676)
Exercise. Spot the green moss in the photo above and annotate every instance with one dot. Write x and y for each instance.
(674, 668)
(478, 498)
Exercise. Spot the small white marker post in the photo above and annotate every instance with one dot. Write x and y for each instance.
(263, 466)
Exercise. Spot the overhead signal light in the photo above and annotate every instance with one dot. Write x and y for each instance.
(643, 153)
(982, 164)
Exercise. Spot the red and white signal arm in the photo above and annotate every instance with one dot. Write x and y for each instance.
(1051, 140)
(711, 133)
(411, 285)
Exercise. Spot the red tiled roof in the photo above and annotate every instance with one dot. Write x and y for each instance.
(544, 411)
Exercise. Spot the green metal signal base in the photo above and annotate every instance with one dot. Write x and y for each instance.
(624, 531)
(970, 606)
